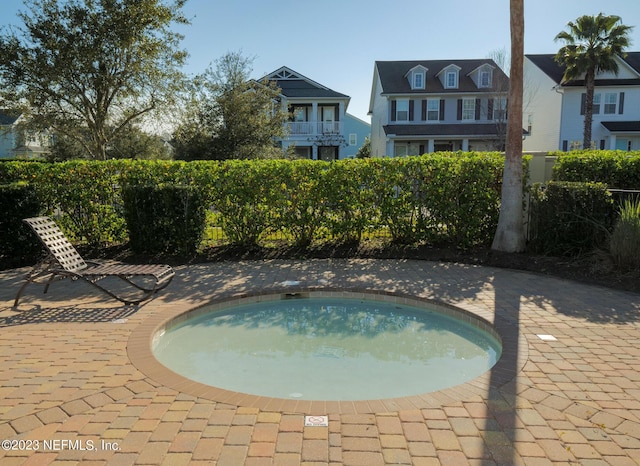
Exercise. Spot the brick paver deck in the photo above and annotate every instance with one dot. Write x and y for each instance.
(73, 389)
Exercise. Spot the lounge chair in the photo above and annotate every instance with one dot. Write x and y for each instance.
(65, 261)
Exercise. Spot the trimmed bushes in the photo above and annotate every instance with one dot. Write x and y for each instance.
(18, 201)
(569, 218)
(618, 169)
(164, 219)
(447, 198)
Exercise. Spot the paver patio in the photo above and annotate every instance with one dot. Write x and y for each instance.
(72, 391)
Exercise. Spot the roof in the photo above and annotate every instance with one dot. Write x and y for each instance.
(7, 118)
(293, 84)
(453, 129)
(549, 66)
(393, 75)
(622, 126)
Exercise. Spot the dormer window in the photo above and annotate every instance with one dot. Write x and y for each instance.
(485, 78)
(417, 77)
(451, 80)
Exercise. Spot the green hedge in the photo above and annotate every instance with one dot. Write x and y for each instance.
(618, 169)
(568, 218)
(18, 201)
(164, 218)
(446, 198)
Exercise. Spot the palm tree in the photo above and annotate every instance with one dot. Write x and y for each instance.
(509, 235)
(591, 46)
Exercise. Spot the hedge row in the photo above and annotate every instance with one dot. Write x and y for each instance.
(567, 218)
(441, 198)
(618, 169)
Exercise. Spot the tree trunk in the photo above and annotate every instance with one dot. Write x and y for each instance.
(509, 235)
(589, 82)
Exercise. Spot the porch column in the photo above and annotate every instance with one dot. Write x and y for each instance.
(612, 142)
(314, 152)
(314, 123)
(465, 145)
(431, 146)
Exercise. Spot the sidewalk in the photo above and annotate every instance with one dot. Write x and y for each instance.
(71, 391)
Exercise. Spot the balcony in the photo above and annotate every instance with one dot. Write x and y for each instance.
(310, 128)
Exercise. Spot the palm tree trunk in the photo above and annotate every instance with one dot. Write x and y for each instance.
(589, 81)
(509, 235)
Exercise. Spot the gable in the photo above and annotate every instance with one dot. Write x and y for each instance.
(293, 84)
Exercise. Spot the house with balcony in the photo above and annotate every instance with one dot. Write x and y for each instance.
(554, 110)
(316, 128)
(422, 106)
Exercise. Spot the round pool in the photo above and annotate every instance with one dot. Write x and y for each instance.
(328, 348)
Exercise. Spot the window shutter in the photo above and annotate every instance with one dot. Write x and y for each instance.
(393, 110)
(424, 110)
(583, 103)
(477, 115)
(621, 106)
(421, 149)
(411, 110)
(565, 144)
(337, 113)
(602, 143)
(441, 109)
(459, 109)
(490, 109)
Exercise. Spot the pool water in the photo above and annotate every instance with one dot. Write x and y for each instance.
(327, 349)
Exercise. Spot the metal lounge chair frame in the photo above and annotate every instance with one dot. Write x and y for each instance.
(66, 262)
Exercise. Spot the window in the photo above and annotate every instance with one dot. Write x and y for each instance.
(402, 110)
(485, 79)
(299, 113)
(433, 109)
(610, 101)
(500, 108)
(418, 81)
(468, 109)
(451, 80)
(353, 139)
(596, 104)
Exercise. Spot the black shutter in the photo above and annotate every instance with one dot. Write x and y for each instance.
(411, 110)
(441, 109)
(424, 110)
(490, 109)
(393, 110)
(583, 103)
(459, 109)
(337, 113)
(621, 105)
(421, 149)
(477, 115)
(565, 144)
(602, 142)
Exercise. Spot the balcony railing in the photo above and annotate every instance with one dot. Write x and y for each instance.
(314, 127)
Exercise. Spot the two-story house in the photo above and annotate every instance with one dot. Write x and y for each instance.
(15, 143)
(554, 111)
(316, 128)
(424, 106)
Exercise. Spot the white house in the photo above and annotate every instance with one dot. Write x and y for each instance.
(424, 106)
(15, 143)
(554, 113)
(316, 129)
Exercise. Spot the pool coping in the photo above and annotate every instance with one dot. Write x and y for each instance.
(513, 358)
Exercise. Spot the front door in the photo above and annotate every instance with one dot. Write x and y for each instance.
(623, 144)
(328, 153)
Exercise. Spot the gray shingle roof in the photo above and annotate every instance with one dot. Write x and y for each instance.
(392, 75)
(548, 65)
(7, 118)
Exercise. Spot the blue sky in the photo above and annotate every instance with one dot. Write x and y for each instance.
(336, 42)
